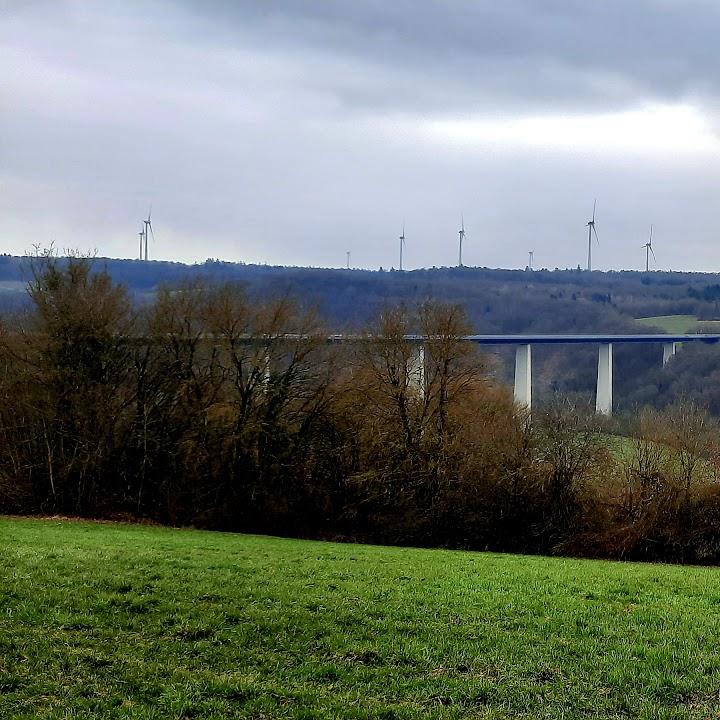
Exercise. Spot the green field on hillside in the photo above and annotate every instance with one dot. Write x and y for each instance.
(671, 323)
(679, 324)
(119, 621)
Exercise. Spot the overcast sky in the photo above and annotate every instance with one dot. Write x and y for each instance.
(288, 132)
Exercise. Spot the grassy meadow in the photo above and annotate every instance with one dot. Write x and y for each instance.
(680, 324)
(121, 621)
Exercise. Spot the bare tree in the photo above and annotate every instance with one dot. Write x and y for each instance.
(70, 361)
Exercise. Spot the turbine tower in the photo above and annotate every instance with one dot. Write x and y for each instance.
(142, 242)
(148, 228)
(530, 259)
(591, 230)
(461, 233)
(347, 259)
(402, 244)
(648, 250)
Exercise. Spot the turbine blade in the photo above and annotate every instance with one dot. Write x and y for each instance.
(652, 251)
(594, 206)
(597, 239)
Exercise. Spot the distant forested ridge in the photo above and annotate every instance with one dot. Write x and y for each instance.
(495, 301)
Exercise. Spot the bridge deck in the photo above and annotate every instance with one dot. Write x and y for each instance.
(565, 339)
(576, 339)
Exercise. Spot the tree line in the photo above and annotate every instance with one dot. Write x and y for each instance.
(213, 407)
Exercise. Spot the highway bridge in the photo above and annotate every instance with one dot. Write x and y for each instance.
(604, 393)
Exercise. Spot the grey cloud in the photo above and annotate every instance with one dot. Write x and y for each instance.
(468, 54)
(284, 131)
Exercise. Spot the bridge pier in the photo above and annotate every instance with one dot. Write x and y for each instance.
(416, 369)
(669, 349)
(523, 376)
(266, 374)
(604, 393)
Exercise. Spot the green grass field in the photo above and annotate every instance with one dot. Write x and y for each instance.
(119, 621)
(671, 323)
(679, 324)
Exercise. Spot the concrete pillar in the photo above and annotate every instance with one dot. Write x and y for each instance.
(266, 374)
(669, 349)
(416, 369)
(523, 376)
(603, 397)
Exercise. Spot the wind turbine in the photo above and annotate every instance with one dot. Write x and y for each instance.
(402, 244)
(648, 250)
(530, 259)
(461, 233)
(148, 227)
(591, 230)
(142, 240)
(347, 259)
